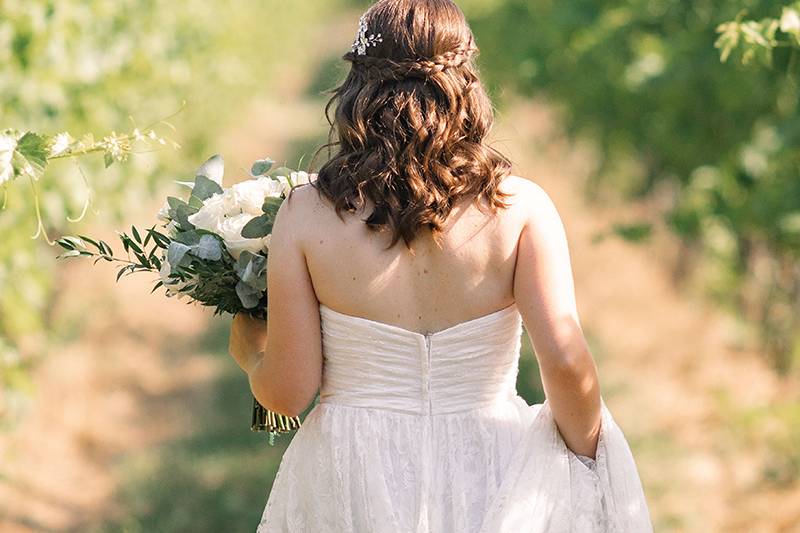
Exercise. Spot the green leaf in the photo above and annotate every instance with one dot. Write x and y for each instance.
(208, 248)
(195, 202)
(89, 240)
(271, 205)
(252, 269)
(135, 247)
(71, 242)
(142, 260)
(122, 272)
(248, 295)
(261, 167)
(204, 188)
(108, 159)
(161, 240)
(182, 214)
(70, 253)
(189, 238)
(259, 227)
(174, 202)
(176, 252)
(105, 248)
(32, 150)
(136, 234)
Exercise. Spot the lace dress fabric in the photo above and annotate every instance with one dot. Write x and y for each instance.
(422, 433)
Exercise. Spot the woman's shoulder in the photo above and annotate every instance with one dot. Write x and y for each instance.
(304, 198)
(302, 208)
(528, 195)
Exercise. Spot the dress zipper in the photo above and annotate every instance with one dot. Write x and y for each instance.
(423, 520)
(428, 371)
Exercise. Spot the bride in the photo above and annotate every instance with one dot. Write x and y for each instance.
(414, 346)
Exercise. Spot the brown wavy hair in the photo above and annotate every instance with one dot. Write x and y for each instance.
(410, 123)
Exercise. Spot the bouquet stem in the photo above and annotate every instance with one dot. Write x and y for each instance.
(266, 420)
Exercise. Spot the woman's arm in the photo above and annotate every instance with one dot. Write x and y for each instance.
(545, 295)
(248, 340)
(283, 356)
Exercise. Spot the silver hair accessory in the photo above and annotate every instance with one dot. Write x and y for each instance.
(364, 41)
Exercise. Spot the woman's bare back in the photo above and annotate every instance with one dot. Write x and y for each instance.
(431, 289)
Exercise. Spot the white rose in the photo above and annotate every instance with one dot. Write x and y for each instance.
(210, 216)
(231, 232)
(265, 241)
(248, 196)
(7, 146)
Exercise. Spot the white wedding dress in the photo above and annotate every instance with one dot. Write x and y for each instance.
(422, 433)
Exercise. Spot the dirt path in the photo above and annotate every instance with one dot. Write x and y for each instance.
(110, 392)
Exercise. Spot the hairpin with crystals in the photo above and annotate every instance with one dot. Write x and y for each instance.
(364, 40)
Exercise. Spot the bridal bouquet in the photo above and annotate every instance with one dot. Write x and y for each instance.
(211, 247)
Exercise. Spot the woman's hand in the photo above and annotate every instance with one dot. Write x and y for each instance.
(248, 340)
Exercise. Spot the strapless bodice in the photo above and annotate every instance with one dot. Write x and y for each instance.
(373, 364)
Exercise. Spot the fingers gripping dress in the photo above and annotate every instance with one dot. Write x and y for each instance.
(419, 433)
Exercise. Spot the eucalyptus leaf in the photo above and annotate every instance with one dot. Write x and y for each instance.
(208, 248)
(175, 202)
(205, 188)
(271, 205)
(248, 295)
(182, 214)
(259, 227)
(189, 238)
(195, 202)
(252, 269)
(176, 252)
(261, 167)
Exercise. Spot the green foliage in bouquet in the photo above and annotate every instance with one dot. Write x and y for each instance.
(211, 247)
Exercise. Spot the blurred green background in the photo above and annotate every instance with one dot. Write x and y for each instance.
(677, 176)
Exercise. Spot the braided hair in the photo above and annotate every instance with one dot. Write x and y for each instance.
(390, 69)
(410, 123)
